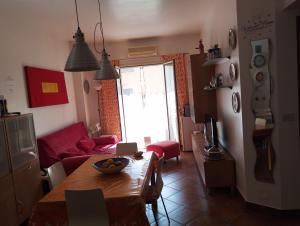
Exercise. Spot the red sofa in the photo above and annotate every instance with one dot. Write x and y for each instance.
(72, 146)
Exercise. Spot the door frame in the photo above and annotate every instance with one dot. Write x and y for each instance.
(122, 103)
(176, 99)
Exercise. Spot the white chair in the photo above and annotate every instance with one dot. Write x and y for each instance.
(86, 208)
(154, 191)
(55, 175)
(126, 148)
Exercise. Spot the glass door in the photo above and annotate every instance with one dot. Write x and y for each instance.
(147, 108)
(170, 87)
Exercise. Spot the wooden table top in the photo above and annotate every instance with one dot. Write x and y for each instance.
(133, 180)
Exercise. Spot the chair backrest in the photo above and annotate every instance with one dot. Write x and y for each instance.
(126, 148)
(86, 208)
(56, 174)
(158, 180)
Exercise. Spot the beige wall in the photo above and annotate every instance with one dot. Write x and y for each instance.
(286, 42)
(31, 38)
(215, 31)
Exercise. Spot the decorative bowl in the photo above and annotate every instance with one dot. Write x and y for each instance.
(111, 165)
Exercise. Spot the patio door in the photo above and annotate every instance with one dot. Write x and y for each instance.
(147, 104)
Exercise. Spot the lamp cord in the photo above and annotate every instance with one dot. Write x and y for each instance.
(101, 29)
(77, 13)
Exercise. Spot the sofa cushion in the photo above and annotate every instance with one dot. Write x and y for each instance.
(52, 145)
(106, 139)
(86, 144)
(71, 152)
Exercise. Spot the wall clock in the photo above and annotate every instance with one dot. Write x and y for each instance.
(232, 72)
(236, 102)
(232, 38)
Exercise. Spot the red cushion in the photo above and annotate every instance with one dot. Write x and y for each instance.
(72, 152)
(169, 148)
(106, 139)
(86, 144)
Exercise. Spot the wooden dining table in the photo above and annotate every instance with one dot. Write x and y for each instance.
(124, 192)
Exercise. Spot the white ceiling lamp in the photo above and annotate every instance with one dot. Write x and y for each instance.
(107, 71)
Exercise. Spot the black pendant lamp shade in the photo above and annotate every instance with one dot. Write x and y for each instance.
(81, 57)
(107, 71)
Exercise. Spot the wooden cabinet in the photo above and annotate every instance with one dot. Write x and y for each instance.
(201, 101)
(20, 180)
(214, 173)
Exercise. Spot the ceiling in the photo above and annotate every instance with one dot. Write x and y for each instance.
(126, 19)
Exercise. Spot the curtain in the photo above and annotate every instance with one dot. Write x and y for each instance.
(109, 107)
(181, 79)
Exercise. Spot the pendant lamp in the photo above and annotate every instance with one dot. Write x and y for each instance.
(81, 57)
(107, 71)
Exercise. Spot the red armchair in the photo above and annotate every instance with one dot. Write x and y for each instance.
(72, 146)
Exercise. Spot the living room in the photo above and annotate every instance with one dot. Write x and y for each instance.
(39, 34)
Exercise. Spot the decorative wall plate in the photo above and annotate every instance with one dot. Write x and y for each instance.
(86, 86)
(232, 72)
(236, 102)
(232, 38)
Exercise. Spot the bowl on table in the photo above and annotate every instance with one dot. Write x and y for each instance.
(111, 165)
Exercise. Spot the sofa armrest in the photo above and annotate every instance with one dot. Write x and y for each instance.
(106, 139)
(72, 163)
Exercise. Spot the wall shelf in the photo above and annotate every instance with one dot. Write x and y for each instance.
(215, 61)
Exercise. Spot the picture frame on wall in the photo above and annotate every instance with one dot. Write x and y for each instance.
(45, 87)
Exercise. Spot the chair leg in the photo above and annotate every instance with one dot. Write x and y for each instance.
(165, 208)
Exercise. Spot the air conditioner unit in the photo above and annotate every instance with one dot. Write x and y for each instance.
(146, 51)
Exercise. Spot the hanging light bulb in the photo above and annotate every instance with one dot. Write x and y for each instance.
(81, 57)
(107, 71)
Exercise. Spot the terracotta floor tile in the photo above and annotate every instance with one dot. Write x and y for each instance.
(168, 191)
(164, 222)
(208, 220)
(170, 206)
(188, 204)
(184, 215)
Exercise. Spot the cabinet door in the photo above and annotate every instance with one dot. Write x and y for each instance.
(28, 188)
(21, 140)
(8, 213)
(4, 160)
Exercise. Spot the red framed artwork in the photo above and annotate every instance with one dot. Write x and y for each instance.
(45, 87)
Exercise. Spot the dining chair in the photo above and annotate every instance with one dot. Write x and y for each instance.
(154, 190)
(55, 175)
(126, 148)
(86, 208)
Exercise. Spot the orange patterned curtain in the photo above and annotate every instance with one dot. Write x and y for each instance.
(109, 106)
(181, 79)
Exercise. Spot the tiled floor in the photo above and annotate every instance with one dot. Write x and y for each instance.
(188, 204)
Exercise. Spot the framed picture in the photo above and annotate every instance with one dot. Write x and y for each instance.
(45, 87)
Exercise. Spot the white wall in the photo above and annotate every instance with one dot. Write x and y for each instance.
(32, 38)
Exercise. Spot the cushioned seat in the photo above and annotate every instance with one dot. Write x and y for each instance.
(170, 149)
